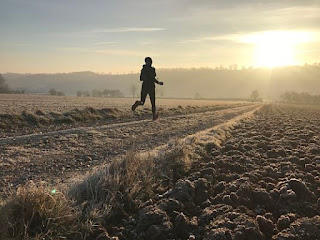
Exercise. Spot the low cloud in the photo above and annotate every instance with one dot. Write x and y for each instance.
(119, 52)
(102, 43)
(131, 29)
(253, 37)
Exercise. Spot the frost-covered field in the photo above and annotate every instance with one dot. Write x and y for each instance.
(245, 172)
(13, 104)
(27, 114)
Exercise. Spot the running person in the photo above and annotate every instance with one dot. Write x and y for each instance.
(148, 77)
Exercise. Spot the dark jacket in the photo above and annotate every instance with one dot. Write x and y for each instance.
(148, 76)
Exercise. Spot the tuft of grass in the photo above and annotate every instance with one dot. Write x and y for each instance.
(30, 118)
(54, 114)
(40, 112)
(2, 125)
(33, 212)
(176, 160)
(113, 192)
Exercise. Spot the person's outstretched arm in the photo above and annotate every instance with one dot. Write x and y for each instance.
(156, 80)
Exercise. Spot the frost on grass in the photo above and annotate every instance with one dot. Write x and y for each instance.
(104, 198)
(116, 191)
(97, 202)
(36, 212)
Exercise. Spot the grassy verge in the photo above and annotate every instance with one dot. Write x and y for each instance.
(94, 206)
(33, 212)
(41, 118)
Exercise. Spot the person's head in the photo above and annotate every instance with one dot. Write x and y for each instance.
(148, 61)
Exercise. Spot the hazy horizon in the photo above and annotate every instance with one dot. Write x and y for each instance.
(39, 36)
(217, 68)
(181, 82)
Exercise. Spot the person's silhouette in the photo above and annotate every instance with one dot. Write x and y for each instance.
(148, 78)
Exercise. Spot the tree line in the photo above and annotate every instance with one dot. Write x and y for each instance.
(304, 97)
(182, 82)
(101, 93)
(4, 88)
(94, 93)
(54, 92)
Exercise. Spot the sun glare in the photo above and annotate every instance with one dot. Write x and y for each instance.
(273, 53)
(276, 48)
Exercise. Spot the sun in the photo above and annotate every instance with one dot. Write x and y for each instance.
(273, 53)
(276, 48)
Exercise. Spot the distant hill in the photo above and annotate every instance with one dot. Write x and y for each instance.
(181, 83)
(69, 83)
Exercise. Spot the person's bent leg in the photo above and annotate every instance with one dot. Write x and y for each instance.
(142, 100)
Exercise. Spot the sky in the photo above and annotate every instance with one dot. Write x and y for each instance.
(48, 36)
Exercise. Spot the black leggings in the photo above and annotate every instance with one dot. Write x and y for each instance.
(152, 94)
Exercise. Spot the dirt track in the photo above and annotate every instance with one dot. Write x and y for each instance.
(55, 156)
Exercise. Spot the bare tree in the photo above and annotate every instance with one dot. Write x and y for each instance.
(197, 95)
(133, 90)
(52, 92)
(3, 86)
(86, 94)
(60, 93)
(254, 96)
(79, 93)
(96, 93)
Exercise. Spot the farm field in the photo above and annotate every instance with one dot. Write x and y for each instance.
(59, 153)
(229, 149)
(234, 172)
(26, 114)
(12, 103)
